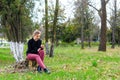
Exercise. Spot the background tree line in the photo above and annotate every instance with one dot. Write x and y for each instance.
(16, 22)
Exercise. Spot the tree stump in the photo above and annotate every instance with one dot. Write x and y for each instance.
(27, 64)
(31, 64)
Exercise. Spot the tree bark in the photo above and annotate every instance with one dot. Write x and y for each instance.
(54, 28)
(102, 45)
(17, 50)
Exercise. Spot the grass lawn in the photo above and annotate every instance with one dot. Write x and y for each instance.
(70, 63)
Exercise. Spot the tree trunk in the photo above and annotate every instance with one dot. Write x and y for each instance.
(102, 45)
(46, 27)
(114, 24)
(113, 37)
(82, 38)
(52, 50)
(17, 50)
(47, 48)
(54, 28)
(83, 24)
(57, 42)
(89, 41)
(118, 37)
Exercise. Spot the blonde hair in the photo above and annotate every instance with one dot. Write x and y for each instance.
(36, 32)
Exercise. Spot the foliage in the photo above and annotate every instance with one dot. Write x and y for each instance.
(16, 18)
(69, 33)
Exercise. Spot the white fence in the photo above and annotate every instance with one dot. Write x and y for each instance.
(4, 43)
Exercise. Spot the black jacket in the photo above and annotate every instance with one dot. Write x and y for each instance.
(33, 46)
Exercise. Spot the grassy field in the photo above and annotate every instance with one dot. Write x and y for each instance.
(70, 63)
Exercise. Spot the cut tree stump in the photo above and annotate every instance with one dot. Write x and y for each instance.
(31, 64)
(23, 66)
(27, 64)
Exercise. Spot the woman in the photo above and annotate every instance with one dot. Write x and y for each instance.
(35, 51)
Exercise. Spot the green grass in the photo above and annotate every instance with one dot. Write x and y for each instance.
(71, 63)
(5, 57)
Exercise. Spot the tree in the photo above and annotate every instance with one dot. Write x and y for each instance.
(80, 10)
(84, 19)
(103, 15)
(16, 20)
(118, 28)
(102, 45)
(50, 18)
(89, 27)
(60, 19)
(54, 28)
(69, 32)
(115, 28)
(114, 24)
(46, 27)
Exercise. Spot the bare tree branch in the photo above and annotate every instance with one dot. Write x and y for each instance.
(98, 10)
(109, 22)
(107, 1)
(93, 7)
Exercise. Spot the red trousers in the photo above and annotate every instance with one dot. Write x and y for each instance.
(38, 57)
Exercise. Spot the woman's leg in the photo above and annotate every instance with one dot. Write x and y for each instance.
(37, 58)
(41, 54)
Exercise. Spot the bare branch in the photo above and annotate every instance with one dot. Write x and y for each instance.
(98, 10)
(109, 22)
(107, 1)
(93, 7)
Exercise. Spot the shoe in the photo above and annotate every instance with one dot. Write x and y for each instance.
(39, 69)
(46, 71)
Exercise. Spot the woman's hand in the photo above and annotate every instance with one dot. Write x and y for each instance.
(39, 49)
(42, 47)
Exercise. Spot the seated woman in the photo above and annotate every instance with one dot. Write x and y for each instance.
(35, 51)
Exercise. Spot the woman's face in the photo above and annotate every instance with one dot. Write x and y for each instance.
(36, 37)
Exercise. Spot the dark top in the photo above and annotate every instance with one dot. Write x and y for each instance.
(33, 46)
